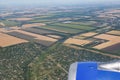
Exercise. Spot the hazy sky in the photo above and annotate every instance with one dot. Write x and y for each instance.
(56, 1)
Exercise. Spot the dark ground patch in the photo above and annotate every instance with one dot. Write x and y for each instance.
(30, 38)
(113, 49)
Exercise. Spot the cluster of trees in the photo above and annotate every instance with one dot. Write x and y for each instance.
(14, 60)
(57, 62)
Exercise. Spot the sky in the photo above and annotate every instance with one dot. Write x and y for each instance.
(45, 2)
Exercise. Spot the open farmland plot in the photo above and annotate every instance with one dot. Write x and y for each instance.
(7, 40)
(38, 31)
(33, 25)
(89, 23)
(74, 26)
(113, 49)
(2, 30)
(44, 42)
(39, 21)
(61, 29)
(112, 40)
(10, 23)
(55, 36)
(76, 41)
(89, 34)
(53, 32)
(21, 35)
(20, 19)
(34, 37)
(114, 32)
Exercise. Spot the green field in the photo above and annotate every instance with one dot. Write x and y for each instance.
(87, 23)
(10, 23)
(61, 29)
(39, 21)
(82, 27)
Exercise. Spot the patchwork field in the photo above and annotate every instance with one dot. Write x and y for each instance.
(112, 40)
(7, 40)
(33, 25)
(38, 31)
(104, 42)
(44, 40)
(21, 19)
(114, 48)
(9, 23)
(87, 23)
(75, 26)
(114, 32)
(51, 31)
(76, 41)
(89, 34)
(2, 30)
(55, 36)
(61, 29)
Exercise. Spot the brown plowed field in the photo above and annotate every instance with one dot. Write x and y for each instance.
(114, 48)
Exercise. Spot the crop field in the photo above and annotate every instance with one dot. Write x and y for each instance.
(61, 29)
(33, 25)
(54, 36)
(87, 23)
(21, 35)
(89, 34)
(75, 26)
(113, 49)
(10, 23)
(44, 42)
(79, 37)
(39, 21)
(33, 37)
(76, 41)
(7, 40)
(2, 30)
(53, 31)
(111, 40)
(114, 32)
(38, 31)
(21, 19)
(41, 42)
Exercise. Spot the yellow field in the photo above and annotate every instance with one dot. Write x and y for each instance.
(85, 35)
(112, 40)
(33, 25)
(89, 34)
(76, 41)
(7, 40)
(54, 36)
(114, 32)
(2, 30)
(38, 37)
(15, 28)
(21, 19)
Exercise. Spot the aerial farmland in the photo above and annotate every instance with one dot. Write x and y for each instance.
(40, 43)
